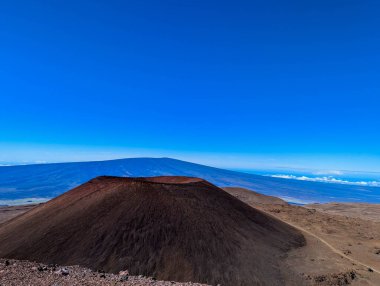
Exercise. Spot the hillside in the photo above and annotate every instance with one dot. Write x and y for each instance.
(251, 197)
(171, 228)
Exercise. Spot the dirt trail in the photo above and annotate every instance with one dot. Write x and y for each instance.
(335, 250)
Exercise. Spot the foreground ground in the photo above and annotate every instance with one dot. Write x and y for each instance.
(16, 272)
(340, 250)
(343, 248)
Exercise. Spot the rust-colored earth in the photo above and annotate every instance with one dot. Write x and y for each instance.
(170, 228)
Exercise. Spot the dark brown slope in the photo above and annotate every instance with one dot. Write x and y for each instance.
(173, 228)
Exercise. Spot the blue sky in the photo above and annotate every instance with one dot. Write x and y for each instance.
(238, 84)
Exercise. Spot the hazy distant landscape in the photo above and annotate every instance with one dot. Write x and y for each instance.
(35, 183)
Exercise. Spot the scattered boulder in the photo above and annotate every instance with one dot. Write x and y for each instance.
(42, 268)
(62, 271)
(124, 275)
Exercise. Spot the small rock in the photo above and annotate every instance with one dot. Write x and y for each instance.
(320, 278)
(124, 278)
(42, 268)
(347, 252)
(370, 270)
(124, 275)
(62, 271)
(353, 275)
(7, 263)
(125, 272)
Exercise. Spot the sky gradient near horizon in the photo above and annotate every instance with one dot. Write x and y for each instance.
(237, 84)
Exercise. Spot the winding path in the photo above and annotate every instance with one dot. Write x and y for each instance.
(335, 250)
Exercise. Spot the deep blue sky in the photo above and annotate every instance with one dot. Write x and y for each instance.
(232, 83)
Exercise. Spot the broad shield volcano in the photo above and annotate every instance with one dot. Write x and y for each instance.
(172, 228)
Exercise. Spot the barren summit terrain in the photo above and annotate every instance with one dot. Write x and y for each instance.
(340, 249)
(369, 212)
(170, 228)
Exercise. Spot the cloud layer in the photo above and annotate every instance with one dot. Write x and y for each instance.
(328, 179)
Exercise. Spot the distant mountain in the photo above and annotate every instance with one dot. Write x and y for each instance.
(50, 180)
(171, 228)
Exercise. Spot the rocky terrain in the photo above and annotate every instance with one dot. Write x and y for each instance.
(16, 273)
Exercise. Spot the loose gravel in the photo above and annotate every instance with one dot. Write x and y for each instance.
(20, 273)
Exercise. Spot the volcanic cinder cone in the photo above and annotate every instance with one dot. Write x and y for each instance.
(172, 228)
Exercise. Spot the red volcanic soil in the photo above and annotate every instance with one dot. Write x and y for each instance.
(171, 228)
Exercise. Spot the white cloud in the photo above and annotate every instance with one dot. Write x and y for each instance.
(328, 180)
